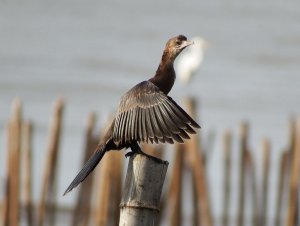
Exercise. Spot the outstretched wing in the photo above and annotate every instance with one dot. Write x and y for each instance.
(147, 114)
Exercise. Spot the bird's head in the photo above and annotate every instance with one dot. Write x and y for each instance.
(175, 45)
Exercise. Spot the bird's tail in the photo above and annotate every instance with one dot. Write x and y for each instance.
(87, 168)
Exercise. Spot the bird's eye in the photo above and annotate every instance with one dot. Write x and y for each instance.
(178, 42)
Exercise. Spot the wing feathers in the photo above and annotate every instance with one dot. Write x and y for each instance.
(191, 121)
(168, 119)
(146, 114)
(149, 125)
(161, 122)
(154, 122)
(144, 126)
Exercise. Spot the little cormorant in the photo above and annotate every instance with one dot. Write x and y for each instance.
(146, 114)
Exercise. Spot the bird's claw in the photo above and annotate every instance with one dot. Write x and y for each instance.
(131, 153)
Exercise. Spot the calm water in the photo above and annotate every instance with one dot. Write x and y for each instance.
(91, 52)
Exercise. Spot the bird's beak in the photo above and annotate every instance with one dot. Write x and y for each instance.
(186, 44)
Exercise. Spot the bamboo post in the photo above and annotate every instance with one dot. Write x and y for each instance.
(117, 185)
(142, 191)
(294, 180)
(175, 190)
(158, 152)
(14, 144)
(265, 147)
(249, 164)
(27, 160)
(199, 174)
(285, 160)
(109, 192)
(283, 164)
(109, 196)
(102, 213)
(48, 187)
(227, 139)
(243, 148)
(81, 213)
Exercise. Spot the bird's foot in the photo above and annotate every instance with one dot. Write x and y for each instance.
(137, 150)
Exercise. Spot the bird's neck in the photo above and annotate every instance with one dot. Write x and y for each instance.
(164, 77)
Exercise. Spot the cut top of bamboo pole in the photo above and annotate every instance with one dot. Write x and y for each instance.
(142, 191)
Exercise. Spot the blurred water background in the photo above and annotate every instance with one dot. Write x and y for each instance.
(91, 52)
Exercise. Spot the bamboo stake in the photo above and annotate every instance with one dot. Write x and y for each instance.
(249, 164)
(83, 205)
(227, 139)
(14, 164)
(27, 160)
(109, 192)
(48, 181)
(175, 188)
(199, 175)
(265, 146)
(284, 159)
(117, 185)
(294, 180)
(243, 149)
(102, 215)
(142, 191)
(158, 152)
(109, 195)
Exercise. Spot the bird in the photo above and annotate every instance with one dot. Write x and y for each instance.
(146, 114)
(190, 60)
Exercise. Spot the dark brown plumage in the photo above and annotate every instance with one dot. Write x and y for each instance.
(146, 114)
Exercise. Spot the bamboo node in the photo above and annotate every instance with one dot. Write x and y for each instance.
(139, 205)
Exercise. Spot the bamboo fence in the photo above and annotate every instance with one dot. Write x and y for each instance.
(98, 198)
